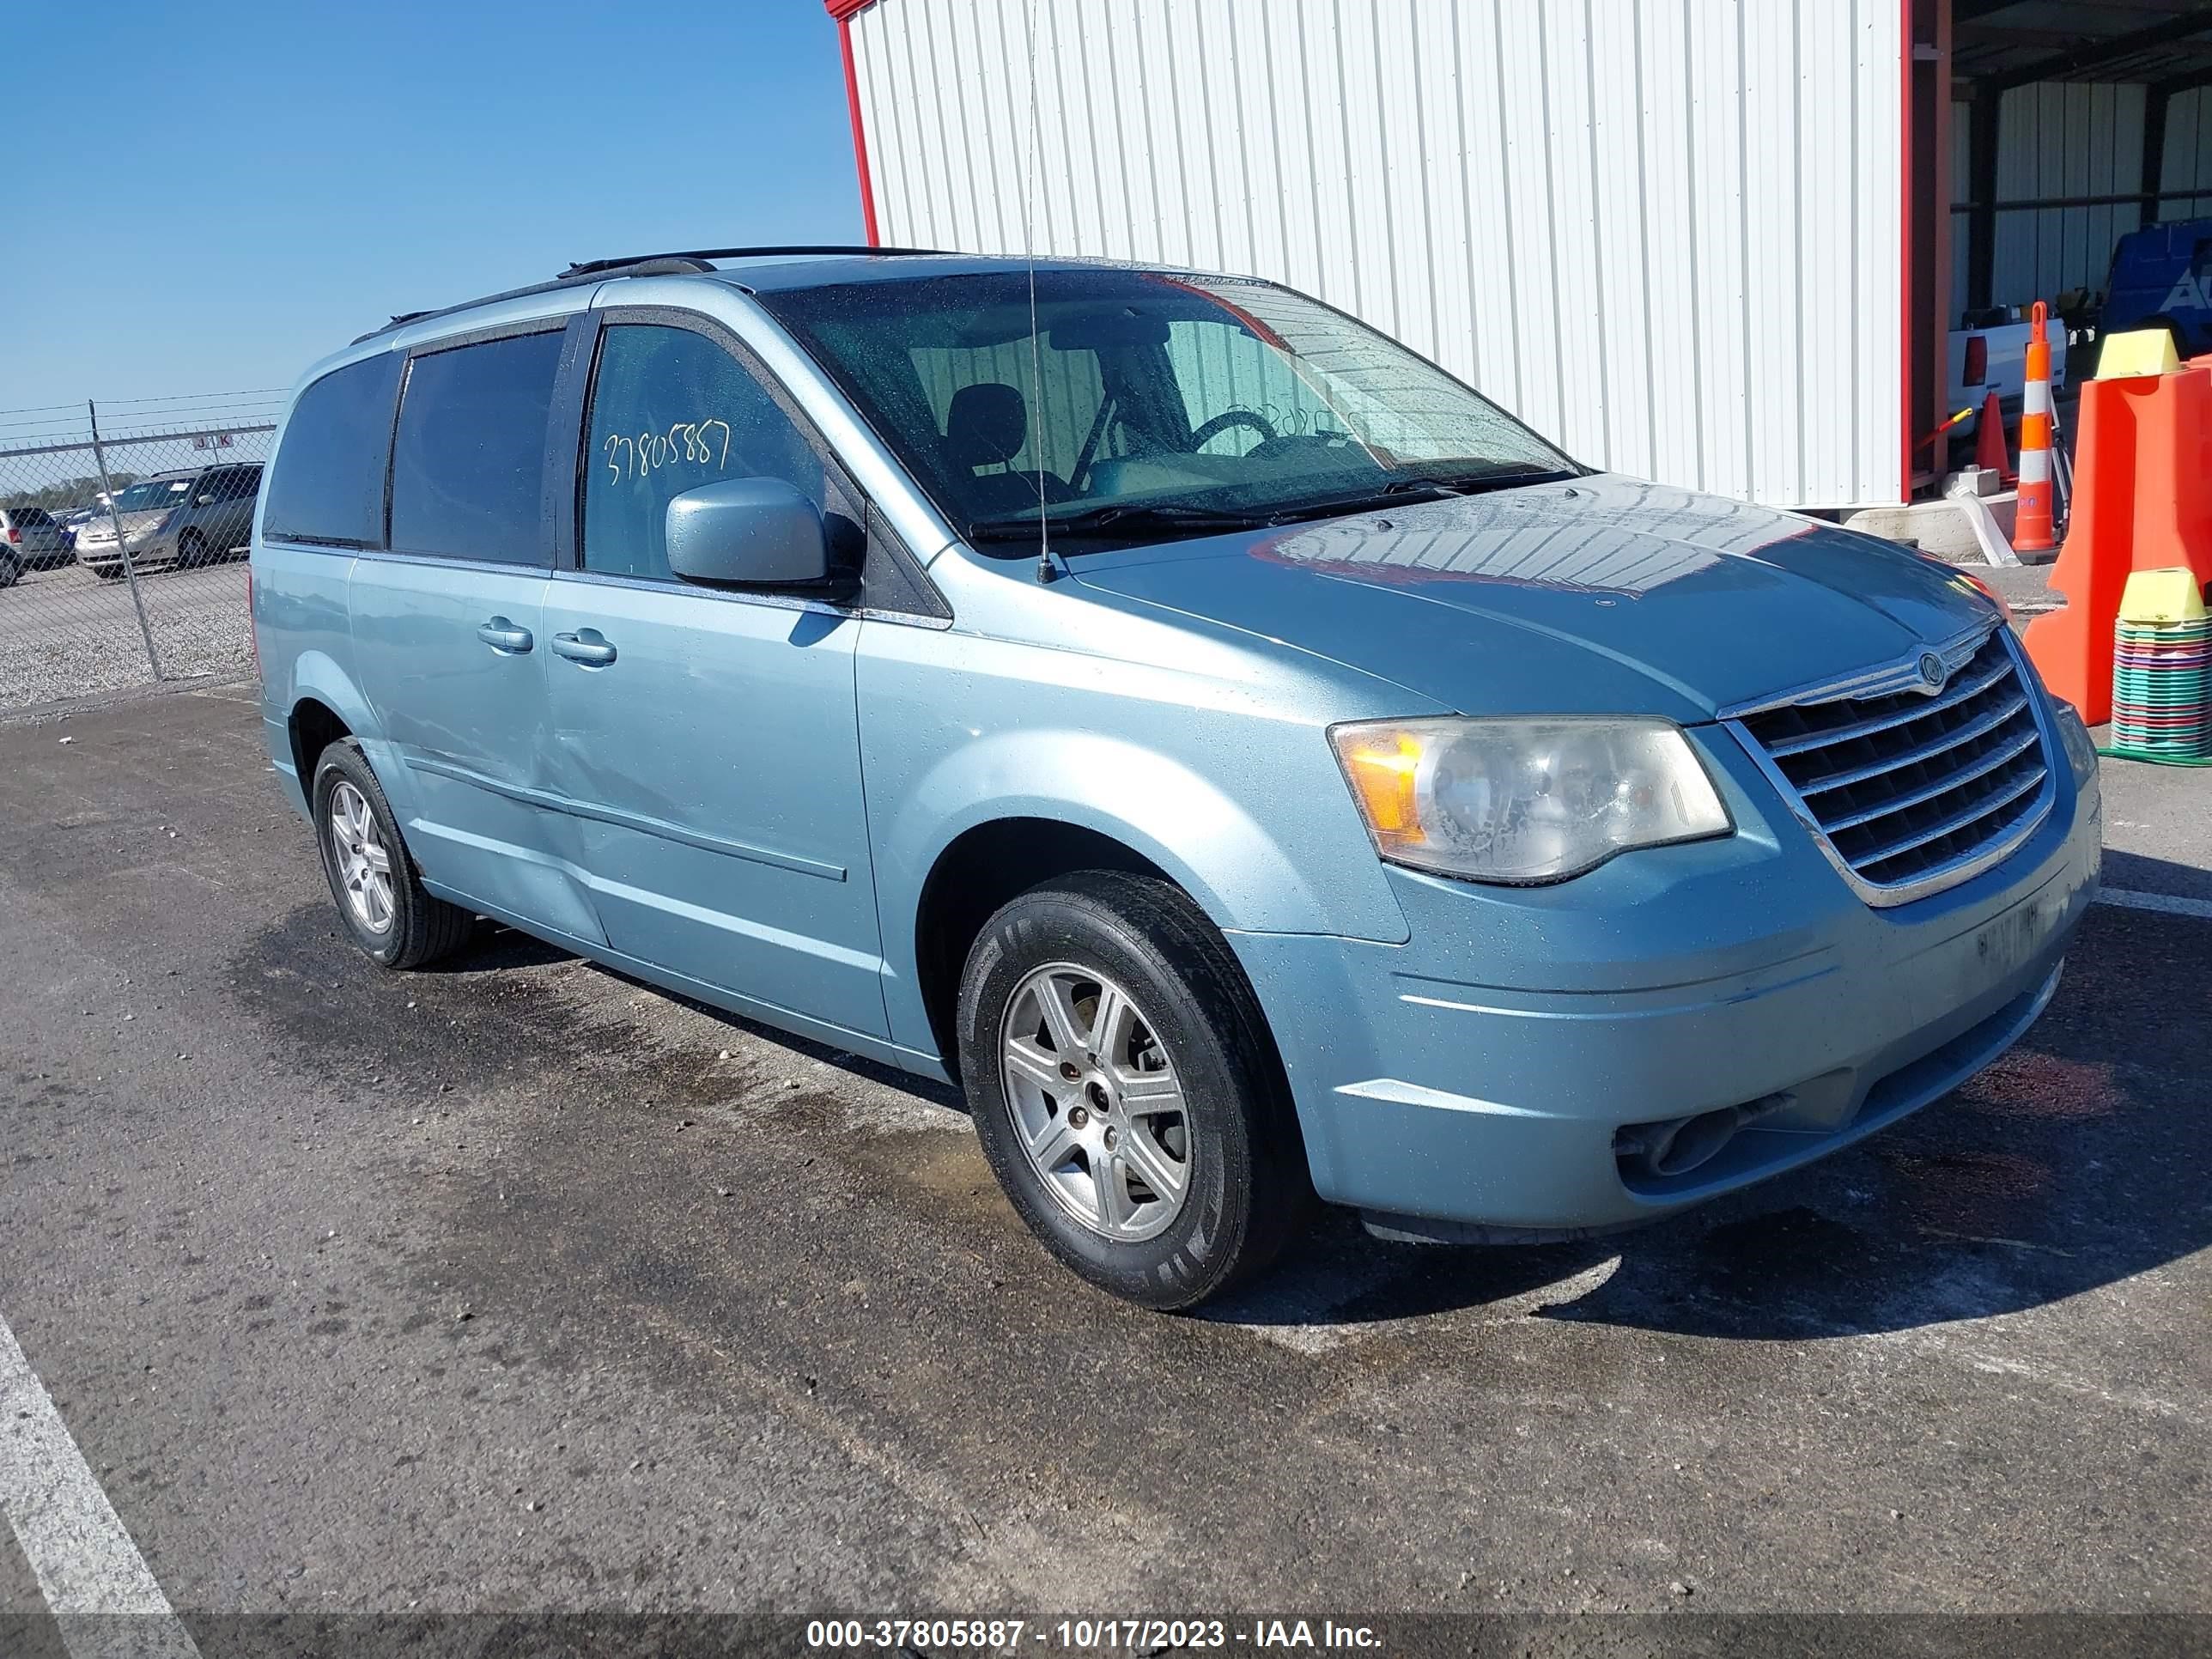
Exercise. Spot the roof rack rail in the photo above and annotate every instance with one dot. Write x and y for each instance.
(686, 263)
(700, 256)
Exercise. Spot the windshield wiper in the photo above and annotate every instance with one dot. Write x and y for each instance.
(1442, 487)
(1100, 519)
(1387, 494)
(1135, 516)
(1476, 483)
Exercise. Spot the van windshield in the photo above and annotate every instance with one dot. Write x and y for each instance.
(1148, 405)
(149, 493)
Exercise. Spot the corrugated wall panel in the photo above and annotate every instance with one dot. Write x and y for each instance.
(1716, 304)
(1615, 65)
(1878, 238)
(1663, 232)
(1962, 190)
(1670, 266)
(2062, 138)
(2188, 154)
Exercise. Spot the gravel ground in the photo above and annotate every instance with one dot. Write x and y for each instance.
(66, 634)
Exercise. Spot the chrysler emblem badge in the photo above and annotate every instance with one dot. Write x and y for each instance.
(1932, 670)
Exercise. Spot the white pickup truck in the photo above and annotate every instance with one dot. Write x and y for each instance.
(1994, 359)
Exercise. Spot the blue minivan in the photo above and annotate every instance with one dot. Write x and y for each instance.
(1253, 767)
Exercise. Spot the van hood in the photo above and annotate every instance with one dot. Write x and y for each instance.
(135, 524)
(1604, 596)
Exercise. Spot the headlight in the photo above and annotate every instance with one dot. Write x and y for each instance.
(1523, 801)
(2073, 736)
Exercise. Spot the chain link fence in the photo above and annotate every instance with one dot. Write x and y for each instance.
(123, 542)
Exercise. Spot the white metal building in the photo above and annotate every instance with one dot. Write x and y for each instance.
(1703, 241)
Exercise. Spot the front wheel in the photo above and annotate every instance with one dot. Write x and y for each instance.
(191, 550)
(1126, 1091)
(379, 891)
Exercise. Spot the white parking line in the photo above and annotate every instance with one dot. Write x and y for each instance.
(2166, 903)
(97, 1586)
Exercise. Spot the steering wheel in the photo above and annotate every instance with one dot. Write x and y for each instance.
(1228, 418)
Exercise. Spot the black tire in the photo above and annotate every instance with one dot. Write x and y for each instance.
(10, 572)
(1248, 1192)
(191, 550)
(422, 926)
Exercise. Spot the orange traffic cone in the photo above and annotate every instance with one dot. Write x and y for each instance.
(2033, 530)
(1989, 441)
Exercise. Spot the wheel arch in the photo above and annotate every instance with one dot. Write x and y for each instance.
(314, 726)
(1164, 816)
(321, 705)
(981, 869)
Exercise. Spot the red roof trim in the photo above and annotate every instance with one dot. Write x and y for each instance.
(1908, 330)
(842, 11)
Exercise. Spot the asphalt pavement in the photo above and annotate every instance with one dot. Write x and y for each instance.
(516, 1286)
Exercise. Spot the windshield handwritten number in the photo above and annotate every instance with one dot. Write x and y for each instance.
(693, 441)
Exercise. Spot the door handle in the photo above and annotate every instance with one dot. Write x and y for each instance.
(503, 637)
(586, 646)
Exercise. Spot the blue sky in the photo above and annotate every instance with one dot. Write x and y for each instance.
(208, 198)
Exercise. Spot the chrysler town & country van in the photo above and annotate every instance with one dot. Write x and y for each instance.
(1253, 766)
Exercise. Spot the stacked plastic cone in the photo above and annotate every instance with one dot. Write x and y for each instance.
(2161, 670)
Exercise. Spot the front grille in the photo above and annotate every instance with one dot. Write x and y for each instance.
(1912, 791)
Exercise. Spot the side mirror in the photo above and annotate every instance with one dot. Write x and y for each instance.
(758, 531)
(206, 498)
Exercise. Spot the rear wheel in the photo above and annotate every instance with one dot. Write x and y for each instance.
(9, 571)
(378, 891)
(1126, 1092)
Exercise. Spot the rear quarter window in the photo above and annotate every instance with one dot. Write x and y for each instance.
(326, 483)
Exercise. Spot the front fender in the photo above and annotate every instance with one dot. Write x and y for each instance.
(1246, 874)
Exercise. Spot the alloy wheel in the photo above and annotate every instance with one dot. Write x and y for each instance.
(364, 863)
(1097, 1102)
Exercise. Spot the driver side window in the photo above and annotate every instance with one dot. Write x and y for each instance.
(671, 410)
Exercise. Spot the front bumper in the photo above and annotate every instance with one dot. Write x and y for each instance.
(1477, 1074)
(107, 554)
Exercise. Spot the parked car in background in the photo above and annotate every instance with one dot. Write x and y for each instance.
(1252, 764)
(2161, 277)
(192, 516)
(74, 521)
(33, 538)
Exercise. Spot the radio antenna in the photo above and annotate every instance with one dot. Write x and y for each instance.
(1044, 569)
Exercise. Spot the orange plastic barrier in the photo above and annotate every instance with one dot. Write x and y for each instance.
(2143, 501)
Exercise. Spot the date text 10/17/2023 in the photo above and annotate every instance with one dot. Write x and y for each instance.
(1010, 1636)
